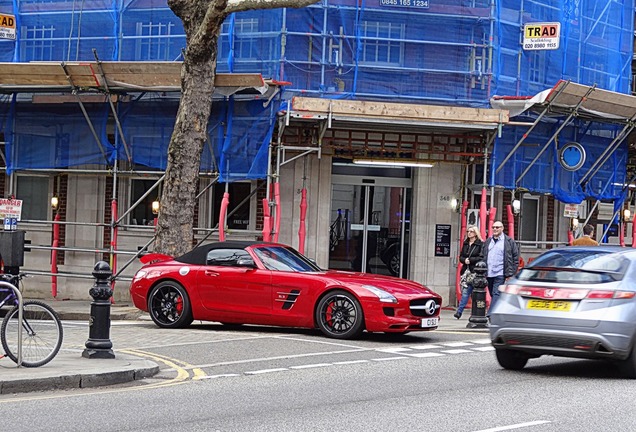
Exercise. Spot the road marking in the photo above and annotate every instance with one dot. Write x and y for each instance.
(482, 341)
(427, 354)
(393, 350)
(198, 373)
(456, 351)
(349, 362)
(515, 426)
(388, 359)
(456, 344)
(425, 346)
(484, 349)
(264, 371)
(309, 366)
(229, 375)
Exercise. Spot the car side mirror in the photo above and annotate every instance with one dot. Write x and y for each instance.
(245, 262)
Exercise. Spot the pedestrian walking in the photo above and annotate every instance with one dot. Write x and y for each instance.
(470, 255)
(586, 239)
(501, 255)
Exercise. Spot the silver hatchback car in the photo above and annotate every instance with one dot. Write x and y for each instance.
(570, 302)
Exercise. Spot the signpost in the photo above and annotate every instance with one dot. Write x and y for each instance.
(442, 240)
(7, 27)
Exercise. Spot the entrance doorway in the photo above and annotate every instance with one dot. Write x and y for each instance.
(370, 224)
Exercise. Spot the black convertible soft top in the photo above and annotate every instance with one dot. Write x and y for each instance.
(199, 254)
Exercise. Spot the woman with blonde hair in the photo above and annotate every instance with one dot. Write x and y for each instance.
(470, 255)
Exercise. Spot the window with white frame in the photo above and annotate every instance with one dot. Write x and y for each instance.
(34, 193)
(247, 39)
(154, 41)
(381, 43)
(37, 43)
(536, 67)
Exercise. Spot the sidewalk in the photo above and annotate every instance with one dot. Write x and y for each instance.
(70, 370)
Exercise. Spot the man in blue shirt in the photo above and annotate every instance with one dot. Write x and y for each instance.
(501, 255)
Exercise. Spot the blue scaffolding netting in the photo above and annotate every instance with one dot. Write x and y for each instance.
(451, 52)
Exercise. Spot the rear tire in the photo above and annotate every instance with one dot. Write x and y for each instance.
(511, 360)
(627, 367)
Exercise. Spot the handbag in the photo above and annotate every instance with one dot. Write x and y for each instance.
(468, 277)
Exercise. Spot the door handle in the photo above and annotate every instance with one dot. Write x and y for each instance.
(211, 273)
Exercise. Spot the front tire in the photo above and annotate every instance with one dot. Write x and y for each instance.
(42, 333)
(169, 305)
(339, 315)
(511, 360)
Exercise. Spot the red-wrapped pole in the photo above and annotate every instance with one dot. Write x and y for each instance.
(303, 214)
(55, 245)
(278, 210)
(621, 234)
(511, 221)
(482, 213)
(267, 222)
(222, 214)
(113, 246)
(462, 234)
(491, 218)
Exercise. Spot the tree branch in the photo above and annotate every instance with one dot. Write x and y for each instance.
(244, 5)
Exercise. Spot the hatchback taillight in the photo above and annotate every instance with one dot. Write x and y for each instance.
(565, 293)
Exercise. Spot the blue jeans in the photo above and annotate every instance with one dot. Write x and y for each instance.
(466, 292)
(493, 289)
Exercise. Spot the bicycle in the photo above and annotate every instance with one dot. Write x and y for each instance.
(41, 327)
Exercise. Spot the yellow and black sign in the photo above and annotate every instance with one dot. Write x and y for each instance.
(7, 26)
(541, 36)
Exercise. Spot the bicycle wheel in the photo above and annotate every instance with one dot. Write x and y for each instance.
(41, 334)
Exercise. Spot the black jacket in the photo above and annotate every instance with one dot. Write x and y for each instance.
(472, 252)
(511, 255)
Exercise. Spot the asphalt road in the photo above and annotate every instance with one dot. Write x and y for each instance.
(270, 379)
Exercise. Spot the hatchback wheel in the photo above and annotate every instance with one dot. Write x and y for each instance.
(627, 367)
(339, 315)
(512, 360)
(169, 305)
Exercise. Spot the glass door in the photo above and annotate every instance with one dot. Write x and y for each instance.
(369, 232)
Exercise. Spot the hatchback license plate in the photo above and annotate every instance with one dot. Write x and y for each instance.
(429, 322)
(555, 305)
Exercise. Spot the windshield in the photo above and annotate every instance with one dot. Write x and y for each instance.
(576, 266)
(284, 259)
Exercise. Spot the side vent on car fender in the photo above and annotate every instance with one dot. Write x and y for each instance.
(288, 298)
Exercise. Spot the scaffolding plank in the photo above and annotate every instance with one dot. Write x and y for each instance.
(386, 110)
(600, 102)
(119, 75)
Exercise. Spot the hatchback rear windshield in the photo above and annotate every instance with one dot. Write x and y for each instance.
(576, 266)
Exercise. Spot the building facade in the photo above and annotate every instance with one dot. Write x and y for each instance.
(411, 84)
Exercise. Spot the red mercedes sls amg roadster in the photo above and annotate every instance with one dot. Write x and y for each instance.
(272, 284)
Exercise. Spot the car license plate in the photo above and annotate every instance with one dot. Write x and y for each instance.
(554, 305)
(429, 322)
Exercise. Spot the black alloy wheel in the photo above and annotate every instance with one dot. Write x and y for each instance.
(339, 315)
(169, 305)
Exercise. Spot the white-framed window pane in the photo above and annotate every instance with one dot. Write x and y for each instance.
(38, 42)
(155, 41)
(34, 193)
(381, 42)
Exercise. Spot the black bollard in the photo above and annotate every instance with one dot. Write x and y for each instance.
(478, 311)
(98, 344)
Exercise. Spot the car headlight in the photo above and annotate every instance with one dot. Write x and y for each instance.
(384, 296)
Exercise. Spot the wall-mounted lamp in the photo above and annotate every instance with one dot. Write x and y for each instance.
(155, 207)
(54, 202)
(516, 206)
(454, 204)
(574, 223)
(627, 215)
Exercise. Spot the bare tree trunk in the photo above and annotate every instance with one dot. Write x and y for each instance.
(176, 215)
